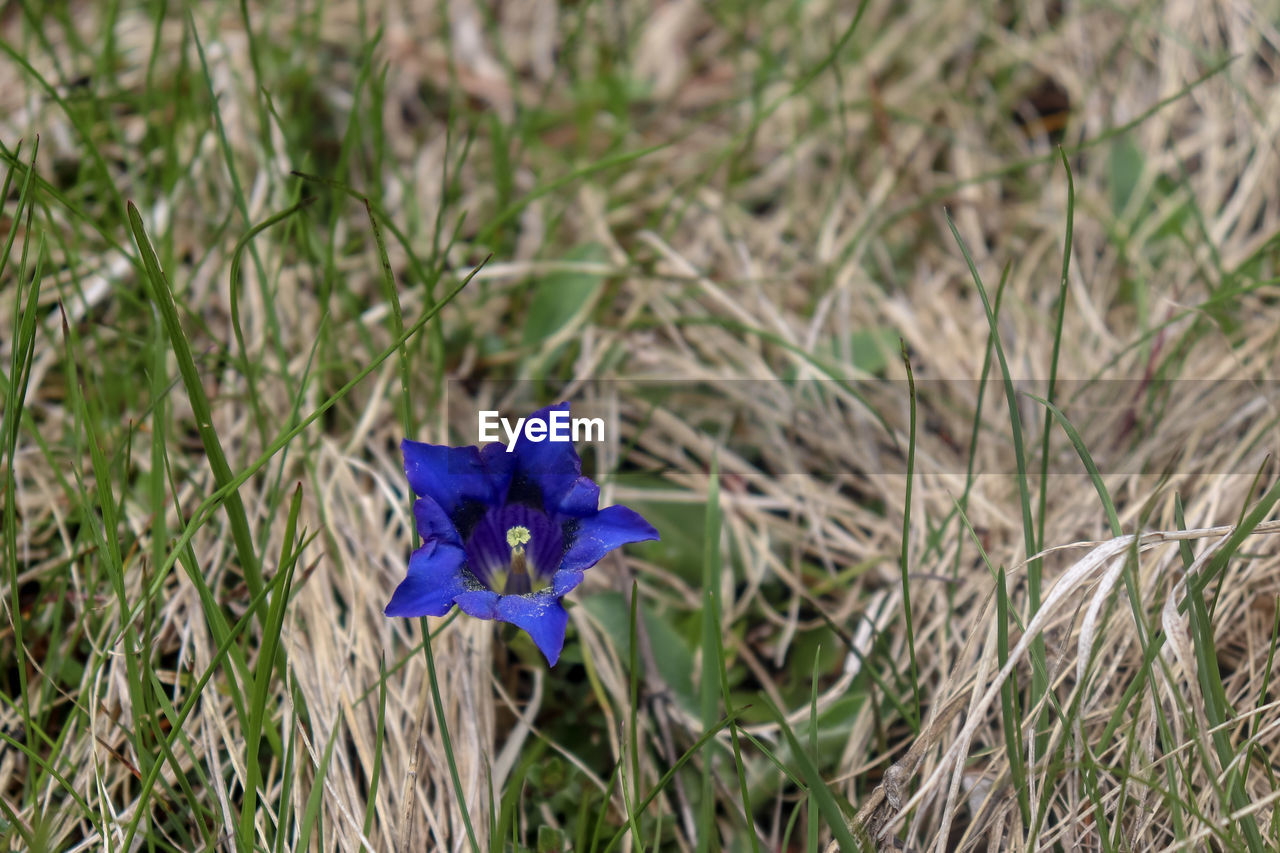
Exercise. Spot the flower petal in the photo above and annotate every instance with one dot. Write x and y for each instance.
(581, 499)
(434, 580)
(453, 475)
(434, 523)
(596, 536)
(479, 603)
(565, 581)
(554, 466)
(541, 616)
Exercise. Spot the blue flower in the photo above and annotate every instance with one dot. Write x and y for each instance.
(506, 535)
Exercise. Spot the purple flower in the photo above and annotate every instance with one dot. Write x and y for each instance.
(507, 534)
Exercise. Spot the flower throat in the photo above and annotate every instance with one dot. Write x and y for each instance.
(518, 581)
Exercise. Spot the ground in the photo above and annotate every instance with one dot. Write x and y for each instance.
(936, 340)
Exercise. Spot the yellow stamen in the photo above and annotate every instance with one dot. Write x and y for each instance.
(516, 539)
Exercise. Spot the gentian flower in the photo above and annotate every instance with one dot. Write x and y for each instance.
(506, 535)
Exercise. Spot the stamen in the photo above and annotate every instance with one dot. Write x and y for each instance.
(516, 539)
(519, 580)
(518, 536)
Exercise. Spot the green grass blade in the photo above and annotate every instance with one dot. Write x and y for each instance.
(1217, 706)
(1061, 313)
(379, 735)
(1010, 715)
(739, 767)
(209, 505)
(19, 375)
(1095, 476)
(162, 295)
(666, 777)
(1039, 680)
(146, 786)
(250, 368)
(630, 799)
(904, 560)
(709, 689)
(811, 840)
(311, 816)
(265, 670)
(445, 740)
(818, 789)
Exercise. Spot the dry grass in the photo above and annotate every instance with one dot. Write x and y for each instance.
(791, 227)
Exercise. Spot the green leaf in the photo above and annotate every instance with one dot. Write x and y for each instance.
(672, 655)
(871, 349)
(551, 840)
(1124, 167)
(681, 548)
(562, 297)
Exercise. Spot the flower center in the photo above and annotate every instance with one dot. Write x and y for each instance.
(516, 539)
(518, 581)
(515, 550)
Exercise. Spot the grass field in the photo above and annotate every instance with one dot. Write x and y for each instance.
(938, 341)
